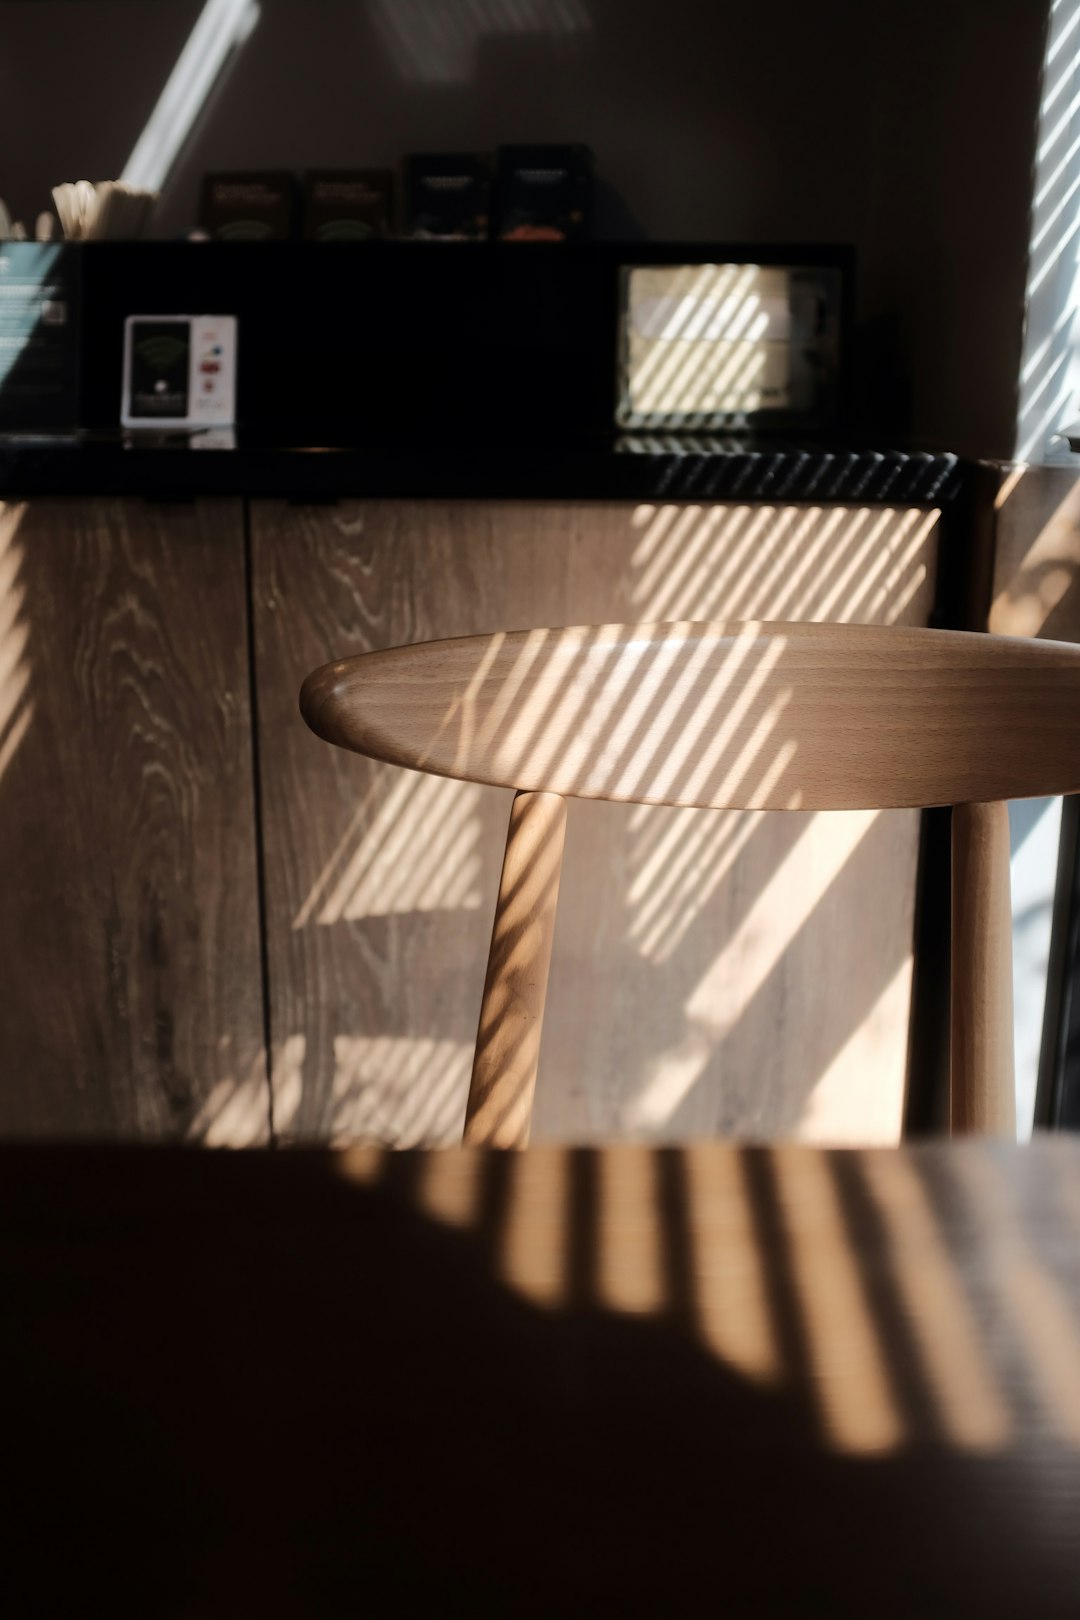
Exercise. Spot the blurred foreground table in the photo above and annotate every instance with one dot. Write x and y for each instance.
(616, 1382)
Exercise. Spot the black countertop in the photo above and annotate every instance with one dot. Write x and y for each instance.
(639, 469)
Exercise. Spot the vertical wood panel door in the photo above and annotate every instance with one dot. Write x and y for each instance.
(130, 1001)
(713, 973)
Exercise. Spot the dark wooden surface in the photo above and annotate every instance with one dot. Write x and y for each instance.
(752, 1382)
(131, 1001)
(685, 939)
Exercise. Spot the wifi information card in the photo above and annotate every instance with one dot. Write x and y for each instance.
(179, 371)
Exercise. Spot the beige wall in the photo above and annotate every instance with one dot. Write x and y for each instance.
(906, 127)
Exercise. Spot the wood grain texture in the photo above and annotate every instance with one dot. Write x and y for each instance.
(714, 972)
(743, 1353)
(1037, 554)
(744, 716)
(507, 1057)
(982, 1082)
(132, 1002)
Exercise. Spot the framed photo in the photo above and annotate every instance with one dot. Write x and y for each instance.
(730, 343)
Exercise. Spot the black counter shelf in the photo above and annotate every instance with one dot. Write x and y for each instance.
(410, 340)
(406, 370)
(637, 469)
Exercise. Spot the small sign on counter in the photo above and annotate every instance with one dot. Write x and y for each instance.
(39, 338)
(179, 371)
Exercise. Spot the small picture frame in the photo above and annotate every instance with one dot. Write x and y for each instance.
(729, 345)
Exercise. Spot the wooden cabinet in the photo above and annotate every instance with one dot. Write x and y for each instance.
(713, 972)
(131, 998)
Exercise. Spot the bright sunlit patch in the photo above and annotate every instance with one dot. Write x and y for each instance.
(449, 1189)
(419, 851)
(578, 703)
(656, 520)
(1032, 1299)
(678, 861)
(1045, 576)
(652, 362)
(10, 740)
(772, 921)
(703, 856)
(1063, 203)
(656, 540)
(1034, 365)
(464, 714)
(221, 28)
(690, 581)
(971, 1406)
(783, 554)
(1009, 486)
(858, 562)
(731, 1298)
(707, 339)
(15, 708)
(631, 1271)
(850, 1087)
(847, 1357)
(724, 734)
(702, 562)
(404, 1091)
(668, 551)
(1059, 126)
(1050, 370)
(788, 553)
(877, 583)
(14, 673)
(500, 712)
(687, 713)
(287, 1081)
(855, 564)
(436, 42)
(823, 847)
(342, 853)
(364, 1165)
(236, 1113)
(533, 1250)
(907, 591)
(733, 562)
(669, 1079)
(1069, 18)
